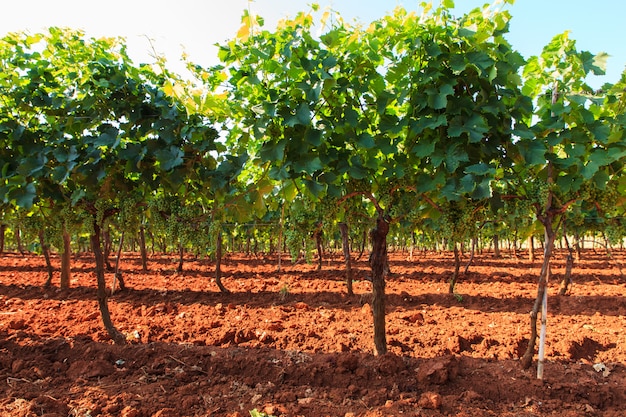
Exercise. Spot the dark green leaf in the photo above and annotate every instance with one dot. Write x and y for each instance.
(481, 59)
(304, 114)
(314, 187)
(597, 159)
(357, 170)
(278, 173)
(169, 158)
(601, 179)
(482, 190)
(273, 151)
(108, 138)
(308, 164)
(455, 155)
(458, 62)
(450, 190)
(601, 132)
(77, 195)
(391, 124)
(366, 140)
(32, 166)
(438, 98)
(351, 117)
(313, 136)
(468, 183)
(61, 173)
(480, 169)
(24, 196)
(533, 152)
(475, 127)
(423, 148)
(428, 123)
(594, 63)
(63, 155)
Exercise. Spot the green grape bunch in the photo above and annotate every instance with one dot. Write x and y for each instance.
(537, 192)
(615, 231)
(458, 221)
(129, 215)
(609, 198)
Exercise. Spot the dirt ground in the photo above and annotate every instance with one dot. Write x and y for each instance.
(294, 344)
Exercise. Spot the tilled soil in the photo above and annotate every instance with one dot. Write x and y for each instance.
(292, 343)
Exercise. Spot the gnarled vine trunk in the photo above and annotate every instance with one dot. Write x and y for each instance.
(378, 261)
(567, 278)
(472, 253)
(542, 287)
(3, 229)
(66, 260)
(496, 246)
(569, 264)
(218, 264)
(343, 228)
(142, 249)
(181, 256)
(45, 249)
(118, 277)
(102, 296)
(457, 267)
(363, 244)
(18, 241)
(106, 248)
(317, 235)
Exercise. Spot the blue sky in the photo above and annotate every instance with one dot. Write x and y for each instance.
(196, 25)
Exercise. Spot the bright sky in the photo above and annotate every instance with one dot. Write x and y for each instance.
(194, 26)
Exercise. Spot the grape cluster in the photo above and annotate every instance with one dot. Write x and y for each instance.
(129, 215)
(520, 212)
(537, 192)
(293, 241)
(358, 186)
(208, 239)
(27, 223)
(615, 231)
(458, 221)
(72, 219)
(327, 213)
(183, 222)
(101, 207)
(608, 198)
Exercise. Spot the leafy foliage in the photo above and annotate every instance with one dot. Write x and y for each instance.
(427, 121)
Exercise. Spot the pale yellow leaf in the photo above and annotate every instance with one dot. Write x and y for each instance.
(244, 32)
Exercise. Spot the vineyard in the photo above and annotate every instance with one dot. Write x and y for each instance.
(311, 200)
(294, 343)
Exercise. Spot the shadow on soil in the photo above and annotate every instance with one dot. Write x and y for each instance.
(563, 305)
(55, 375)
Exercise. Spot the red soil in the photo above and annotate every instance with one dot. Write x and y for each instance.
(294, 344)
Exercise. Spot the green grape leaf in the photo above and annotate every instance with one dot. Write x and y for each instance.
(169, 158)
